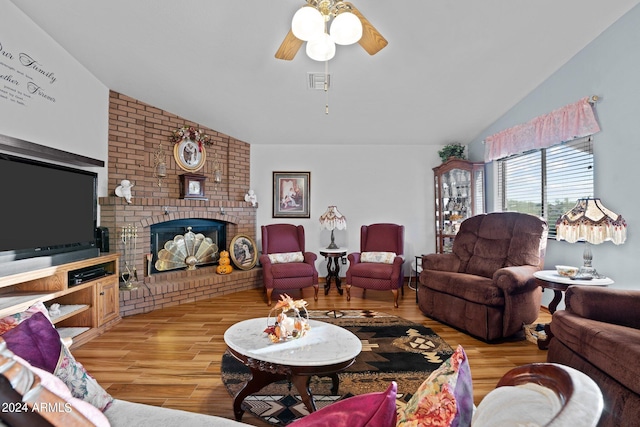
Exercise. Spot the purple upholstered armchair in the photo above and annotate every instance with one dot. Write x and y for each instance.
(378, 265)
(285, 264)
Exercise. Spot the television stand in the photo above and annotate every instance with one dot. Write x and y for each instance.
(87, 308)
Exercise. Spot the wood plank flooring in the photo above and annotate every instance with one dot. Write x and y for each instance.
(171, 357)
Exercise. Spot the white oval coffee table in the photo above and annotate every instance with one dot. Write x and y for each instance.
(325, 350)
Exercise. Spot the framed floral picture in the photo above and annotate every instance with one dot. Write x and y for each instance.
(243, 252)
(291, 194)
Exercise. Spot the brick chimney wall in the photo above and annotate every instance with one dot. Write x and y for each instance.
(137, 132)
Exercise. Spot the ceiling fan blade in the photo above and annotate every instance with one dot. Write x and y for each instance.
(371, 41)
(289, 47)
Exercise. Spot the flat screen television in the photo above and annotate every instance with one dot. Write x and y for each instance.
(48, 214)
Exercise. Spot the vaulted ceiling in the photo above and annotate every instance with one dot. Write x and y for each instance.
(451, 68)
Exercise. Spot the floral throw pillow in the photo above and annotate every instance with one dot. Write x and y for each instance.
(379, 257)
(444, 399)
(286, 257)
(82, 385)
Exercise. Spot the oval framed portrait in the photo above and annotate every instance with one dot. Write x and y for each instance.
(243, 252)
(189, 155)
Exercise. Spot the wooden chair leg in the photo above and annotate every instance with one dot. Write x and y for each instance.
(395, 297)
(315, 292)
(348, 292)
(269, 292)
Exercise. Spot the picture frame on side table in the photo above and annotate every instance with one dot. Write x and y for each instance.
(291, 194)
(243, 252)
(190, 156)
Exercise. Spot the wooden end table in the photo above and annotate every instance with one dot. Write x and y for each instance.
(333, 271)
(550, 279)
(325, 350)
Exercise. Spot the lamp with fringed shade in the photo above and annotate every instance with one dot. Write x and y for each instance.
(590, 222)
(331, 220)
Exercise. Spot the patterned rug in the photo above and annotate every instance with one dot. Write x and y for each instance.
(393, 349)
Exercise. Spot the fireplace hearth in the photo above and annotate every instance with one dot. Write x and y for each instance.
(162, 289)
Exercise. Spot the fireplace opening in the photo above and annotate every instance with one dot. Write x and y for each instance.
(165, 231)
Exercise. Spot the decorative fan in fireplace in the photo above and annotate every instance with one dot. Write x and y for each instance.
(186, 250)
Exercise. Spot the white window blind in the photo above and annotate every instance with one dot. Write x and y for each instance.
(547, 182)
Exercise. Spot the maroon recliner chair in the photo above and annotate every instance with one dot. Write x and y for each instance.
(285, 264)
(374, 267)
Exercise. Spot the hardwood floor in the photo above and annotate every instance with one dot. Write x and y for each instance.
(171, 357)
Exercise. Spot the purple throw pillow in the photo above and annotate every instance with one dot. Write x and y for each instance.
(36, 341)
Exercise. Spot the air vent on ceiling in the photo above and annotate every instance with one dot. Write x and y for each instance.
(316, 81)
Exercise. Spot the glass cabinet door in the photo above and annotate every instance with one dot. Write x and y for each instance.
(459, 195)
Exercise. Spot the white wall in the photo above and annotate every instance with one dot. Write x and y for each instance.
(368, 184)
(69, 107)
(608, 67)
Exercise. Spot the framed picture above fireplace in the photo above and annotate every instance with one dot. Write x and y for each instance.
(291, 194)
(243, 252)
(190, 155)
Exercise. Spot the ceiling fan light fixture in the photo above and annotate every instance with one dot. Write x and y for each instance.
(346, 29)
(321, 48)
(307, 23)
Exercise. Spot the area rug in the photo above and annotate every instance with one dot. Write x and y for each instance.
(393, 349)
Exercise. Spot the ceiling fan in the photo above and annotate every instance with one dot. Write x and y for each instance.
(370, 40)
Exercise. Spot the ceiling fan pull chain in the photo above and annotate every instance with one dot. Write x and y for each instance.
(326, 87)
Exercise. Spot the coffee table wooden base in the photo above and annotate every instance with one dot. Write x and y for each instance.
(263, 374)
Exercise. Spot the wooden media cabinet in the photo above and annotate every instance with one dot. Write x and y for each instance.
(87, 307)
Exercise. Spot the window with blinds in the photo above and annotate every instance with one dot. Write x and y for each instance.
(547, 182)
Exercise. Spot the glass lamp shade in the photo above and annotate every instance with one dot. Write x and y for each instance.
(161, 170)
(333, 219)
(591, 222)
(321, 48)
(307, 23)
(346, 29)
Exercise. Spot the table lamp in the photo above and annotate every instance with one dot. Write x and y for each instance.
(331, 220)
(590, 222)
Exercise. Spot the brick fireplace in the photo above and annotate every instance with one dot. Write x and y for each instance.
(137, 133)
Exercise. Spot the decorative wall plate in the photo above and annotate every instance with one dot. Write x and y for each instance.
(190, 156)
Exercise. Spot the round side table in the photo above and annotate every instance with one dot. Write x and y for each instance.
(550, 279)
(333, 257)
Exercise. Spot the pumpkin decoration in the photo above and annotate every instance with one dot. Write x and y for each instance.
(224, 262)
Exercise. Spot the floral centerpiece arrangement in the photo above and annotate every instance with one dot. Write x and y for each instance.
(291, 322)
(189, 132)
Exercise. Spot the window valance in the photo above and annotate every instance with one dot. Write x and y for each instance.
(572, 121)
